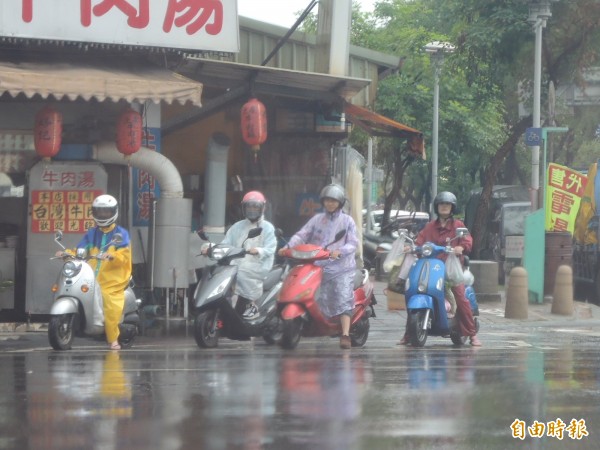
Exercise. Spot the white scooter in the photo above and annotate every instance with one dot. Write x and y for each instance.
(77, 307)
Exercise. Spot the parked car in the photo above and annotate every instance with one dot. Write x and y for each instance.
(504, 233)
(398, 219)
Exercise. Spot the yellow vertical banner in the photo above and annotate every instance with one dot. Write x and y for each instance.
(563, 194)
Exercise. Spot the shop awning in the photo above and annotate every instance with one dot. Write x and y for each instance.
(136, 80)
(378, 125)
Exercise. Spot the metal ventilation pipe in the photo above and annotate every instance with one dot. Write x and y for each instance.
(156, 164)
(170, 239)
(215, 183)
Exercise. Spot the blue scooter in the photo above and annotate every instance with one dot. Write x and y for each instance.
(425, 293)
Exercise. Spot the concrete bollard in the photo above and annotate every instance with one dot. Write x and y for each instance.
(563, 291)
(486, 280)
(517, 295)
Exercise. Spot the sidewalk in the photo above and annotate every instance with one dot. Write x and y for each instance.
(585, 314)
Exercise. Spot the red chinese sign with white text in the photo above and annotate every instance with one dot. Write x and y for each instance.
(190, 24)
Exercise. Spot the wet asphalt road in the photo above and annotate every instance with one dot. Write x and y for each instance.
(165, 393)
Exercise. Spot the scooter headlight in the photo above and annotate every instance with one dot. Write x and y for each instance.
(427, 249)
(218, 253)
(71, 268)
(299, 254)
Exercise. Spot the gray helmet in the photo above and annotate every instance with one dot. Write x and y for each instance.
(334, 191)
(445, 197)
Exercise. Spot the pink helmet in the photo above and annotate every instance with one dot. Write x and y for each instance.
(253, 205)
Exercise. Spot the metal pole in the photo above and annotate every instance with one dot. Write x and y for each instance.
(545, 161)
(369, 183)
(434, 138)
(537, 84)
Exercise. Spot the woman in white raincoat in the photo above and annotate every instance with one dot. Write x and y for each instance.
(255, 266)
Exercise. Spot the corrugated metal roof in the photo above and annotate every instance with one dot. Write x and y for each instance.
(271, 80)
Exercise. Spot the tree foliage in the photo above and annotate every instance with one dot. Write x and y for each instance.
(481, 87)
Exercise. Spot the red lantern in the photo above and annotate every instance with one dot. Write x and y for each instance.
(129, 132)
(47, 132)
(254, 123)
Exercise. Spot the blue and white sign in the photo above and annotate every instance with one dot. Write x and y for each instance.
(533, 137)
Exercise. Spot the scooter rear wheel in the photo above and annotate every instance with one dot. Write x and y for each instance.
(417, 331)
(60, 332)
(205, 329)
(359, 333)
(127, 334)
(291, 331)
(457, 339)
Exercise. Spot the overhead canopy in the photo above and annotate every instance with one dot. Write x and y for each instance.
(237, 81)
(136, 80)
(378, 125)
(272, 80)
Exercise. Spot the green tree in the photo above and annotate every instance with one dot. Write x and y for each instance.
(480, 129)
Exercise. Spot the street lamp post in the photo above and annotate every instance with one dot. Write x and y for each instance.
(539, 13)
(436, 52)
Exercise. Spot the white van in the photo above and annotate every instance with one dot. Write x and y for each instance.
(413, 221)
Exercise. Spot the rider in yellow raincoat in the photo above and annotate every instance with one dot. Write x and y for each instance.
(113, 271)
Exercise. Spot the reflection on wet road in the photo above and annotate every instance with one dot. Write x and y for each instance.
(251, 396)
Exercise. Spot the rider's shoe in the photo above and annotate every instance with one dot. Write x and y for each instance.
(475, 342)
(251, 312)
(404, 340)
(345, 342)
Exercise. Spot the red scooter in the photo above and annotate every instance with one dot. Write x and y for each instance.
(297, 302)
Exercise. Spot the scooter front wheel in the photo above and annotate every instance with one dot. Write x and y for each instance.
(417, 328)
(206, 329)
(273, 331)
(60, 332)
(291, 331)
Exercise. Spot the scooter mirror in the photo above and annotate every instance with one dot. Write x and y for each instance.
(254, 232)
(202, 234)
(460, 232)
(58, 235)
(117, 238)
(340, 234)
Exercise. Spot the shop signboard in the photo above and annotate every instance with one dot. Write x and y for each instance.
(60, 198)
(563, 194)
(210, 25)
(145, 188)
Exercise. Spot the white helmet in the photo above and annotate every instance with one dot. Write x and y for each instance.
(105, 210)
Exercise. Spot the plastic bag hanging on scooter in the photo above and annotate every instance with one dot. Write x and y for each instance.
(454, 270)
(396, 255)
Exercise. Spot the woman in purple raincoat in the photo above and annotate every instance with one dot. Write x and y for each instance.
(336, 298)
